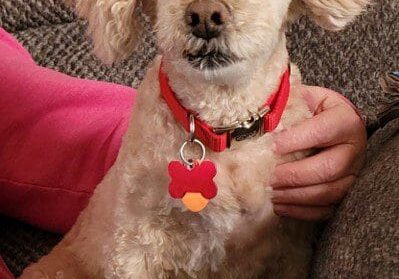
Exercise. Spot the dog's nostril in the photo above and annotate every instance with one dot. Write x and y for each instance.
(207, 18)
(195, 19)
(216, 17)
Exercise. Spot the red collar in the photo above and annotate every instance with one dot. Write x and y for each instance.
(218, 142)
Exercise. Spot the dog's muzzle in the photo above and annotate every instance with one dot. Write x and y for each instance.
(204, 60)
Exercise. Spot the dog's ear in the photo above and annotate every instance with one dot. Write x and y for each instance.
(115, 26)
(330, 14)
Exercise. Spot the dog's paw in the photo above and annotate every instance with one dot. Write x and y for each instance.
(36, 274)
(31, 273)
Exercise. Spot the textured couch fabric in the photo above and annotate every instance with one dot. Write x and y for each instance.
(361, 241)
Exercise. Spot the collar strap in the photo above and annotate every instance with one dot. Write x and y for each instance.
(220, 138)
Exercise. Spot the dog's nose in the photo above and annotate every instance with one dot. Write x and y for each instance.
(207, 18)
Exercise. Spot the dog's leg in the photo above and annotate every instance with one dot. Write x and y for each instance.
(62, 262)
(59, 264)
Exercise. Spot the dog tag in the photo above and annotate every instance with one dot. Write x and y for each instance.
(193, 185)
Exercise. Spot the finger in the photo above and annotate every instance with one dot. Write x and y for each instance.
(333, 123)
(317, 195)
(327, 166)
(311, 213)
(332, 126)
(316, 97)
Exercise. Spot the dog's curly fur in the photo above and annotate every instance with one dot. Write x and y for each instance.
(131, 227)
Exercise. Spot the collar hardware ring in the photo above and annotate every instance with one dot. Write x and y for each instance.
(191, 139)
(190, 162)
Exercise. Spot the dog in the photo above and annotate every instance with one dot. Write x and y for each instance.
(220, 88)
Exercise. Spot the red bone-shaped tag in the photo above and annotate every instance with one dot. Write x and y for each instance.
(194, 186)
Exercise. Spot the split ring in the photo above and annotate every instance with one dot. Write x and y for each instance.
(190, 163)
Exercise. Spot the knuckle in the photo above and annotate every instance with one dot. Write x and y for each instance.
(344, 163)
(359, 164)
(362, 143)
(291, 177)
(359, 134)
(350, 181)
(350, 156)
(338, 190)
(353, 163)
(322, 133)
(354, 120)
(299, 195)
(330, 169)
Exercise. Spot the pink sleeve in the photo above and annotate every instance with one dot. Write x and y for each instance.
(4, 272)
(58, 137)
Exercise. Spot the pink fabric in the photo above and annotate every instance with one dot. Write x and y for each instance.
(4, 272)
(58, 137)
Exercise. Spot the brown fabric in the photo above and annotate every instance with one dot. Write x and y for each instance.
(362, 240)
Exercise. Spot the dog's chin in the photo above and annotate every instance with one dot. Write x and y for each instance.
(232, 73)
(216, 69)
(211, 61)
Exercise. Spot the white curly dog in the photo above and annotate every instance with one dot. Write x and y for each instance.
(222, 81)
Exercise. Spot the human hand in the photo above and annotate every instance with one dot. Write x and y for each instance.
(308, 189)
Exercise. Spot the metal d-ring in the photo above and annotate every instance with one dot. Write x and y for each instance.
(190, 163)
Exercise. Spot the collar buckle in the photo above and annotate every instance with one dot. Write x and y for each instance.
(240, 131)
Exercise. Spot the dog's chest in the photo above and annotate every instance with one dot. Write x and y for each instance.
(244, 173)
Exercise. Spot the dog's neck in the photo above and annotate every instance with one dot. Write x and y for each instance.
(224, 104)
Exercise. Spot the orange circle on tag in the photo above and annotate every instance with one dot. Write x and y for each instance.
(195, 202)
